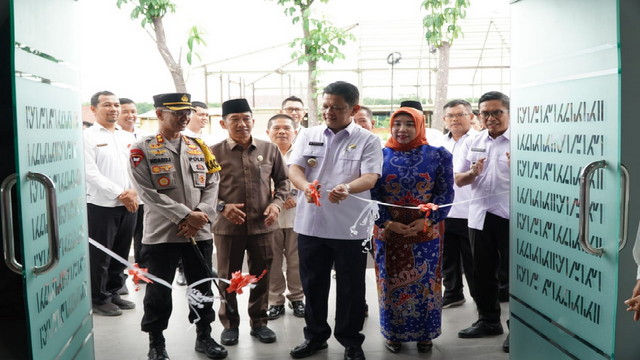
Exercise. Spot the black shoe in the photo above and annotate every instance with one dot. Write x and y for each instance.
(229, 336)
(452, 302)
(211, 348)
(108, 309)
(392, 346)
(264, 334)
(123, 304)
(275, 311)
(298, 308)
(424, 347)
(158, 352)
(505, 344)
(480, 329)
(180, 279)
(307, 348)
(354, 353)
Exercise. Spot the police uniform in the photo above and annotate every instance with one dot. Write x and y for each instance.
(172, 183)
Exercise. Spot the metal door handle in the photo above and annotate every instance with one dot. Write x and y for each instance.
(583, 220)
(52, 221)
(7, 224)
(624, 208)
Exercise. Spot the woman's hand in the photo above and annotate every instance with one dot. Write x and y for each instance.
(398, 228)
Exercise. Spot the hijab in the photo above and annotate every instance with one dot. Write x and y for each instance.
(421, 137)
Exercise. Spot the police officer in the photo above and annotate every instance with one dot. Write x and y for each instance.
(176, 177)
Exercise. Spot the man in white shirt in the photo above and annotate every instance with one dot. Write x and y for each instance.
(456, 254)
(112, 203)
(199, 120)
(127, 121)
(484, 166)
(345, 159)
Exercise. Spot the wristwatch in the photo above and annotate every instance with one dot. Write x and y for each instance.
(220, 206)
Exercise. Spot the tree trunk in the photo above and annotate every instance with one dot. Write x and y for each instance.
(174, 68)
(312, 97)
(312, 65)
(442, 86)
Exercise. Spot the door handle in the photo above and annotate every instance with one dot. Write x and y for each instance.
(583, 220)
(624, 208)
(7, 224)
(52, 221)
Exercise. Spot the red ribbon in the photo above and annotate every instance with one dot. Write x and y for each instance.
(238, 281)
(315, 194)
(137, 275)
(427, 211)
(427, 208)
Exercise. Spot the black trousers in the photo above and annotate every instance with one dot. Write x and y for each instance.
(490, 247)
(456, 258)
(137, 237)
(317, 256)
(162, 260)
(113, 228)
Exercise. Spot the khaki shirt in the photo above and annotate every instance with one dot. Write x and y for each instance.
(245, 178)
(172, 184)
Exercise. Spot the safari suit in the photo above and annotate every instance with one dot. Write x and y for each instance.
(246, 179)
(172, 183)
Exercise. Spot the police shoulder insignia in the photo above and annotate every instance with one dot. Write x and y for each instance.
(137, 156)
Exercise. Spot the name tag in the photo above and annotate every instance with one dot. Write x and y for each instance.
(315, 143)
(478, 150)
(101, 145)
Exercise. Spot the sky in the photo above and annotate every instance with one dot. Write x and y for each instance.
(118, 55)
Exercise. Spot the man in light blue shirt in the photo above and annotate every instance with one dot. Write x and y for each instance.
(345, 159)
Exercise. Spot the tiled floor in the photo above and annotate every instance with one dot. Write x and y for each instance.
(120, 337)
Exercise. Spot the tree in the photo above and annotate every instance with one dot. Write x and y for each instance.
(152, 13)
(320, 42)
(441, 24)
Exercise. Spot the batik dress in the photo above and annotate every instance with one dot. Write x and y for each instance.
(408, 269)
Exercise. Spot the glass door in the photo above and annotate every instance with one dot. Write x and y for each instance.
(566, 192)
(49, 180)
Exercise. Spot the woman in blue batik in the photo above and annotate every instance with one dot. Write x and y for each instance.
(408, 252)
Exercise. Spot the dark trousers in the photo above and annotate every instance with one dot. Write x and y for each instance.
(162, 260)
(490, 247)
(113, 228)
(317, 255)
(456, 258)
(230, 251)
(137, 237)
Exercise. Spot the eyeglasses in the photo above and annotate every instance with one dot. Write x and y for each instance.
(456, 116)
(180, 113)
(484, 115)
(293, 109)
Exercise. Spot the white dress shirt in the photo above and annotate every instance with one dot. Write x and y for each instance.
(106, 160)
(490, 189)
(462, 194)
(334, 159)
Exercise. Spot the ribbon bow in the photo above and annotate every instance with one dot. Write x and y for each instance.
(315, 194)
(238, 281)
(137, 273)
(426, 208)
